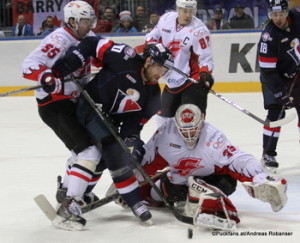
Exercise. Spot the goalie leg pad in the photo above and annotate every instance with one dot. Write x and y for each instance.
(271, 191)
(209, 206)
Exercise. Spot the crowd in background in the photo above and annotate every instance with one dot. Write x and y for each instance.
(111, 21)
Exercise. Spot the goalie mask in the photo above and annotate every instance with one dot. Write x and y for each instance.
(189, 121)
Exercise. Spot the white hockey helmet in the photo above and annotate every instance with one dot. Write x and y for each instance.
(79, 10)
(189, 4)
(189, 121)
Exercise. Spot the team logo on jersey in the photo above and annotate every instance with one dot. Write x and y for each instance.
(294, 52)
(129, 53)
(126, 102)
(266, 37)
(186, 166)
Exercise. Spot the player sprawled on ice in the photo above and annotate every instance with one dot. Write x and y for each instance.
(57, 101)
(188, 38)
(278, 55)
(204, 169)
(127, 90)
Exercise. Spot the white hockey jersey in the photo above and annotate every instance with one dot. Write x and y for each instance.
(213, 154)
(190, 46)
(51, 48)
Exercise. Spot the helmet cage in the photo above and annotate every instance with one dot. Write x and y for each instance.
(159, 54)
(189, 121)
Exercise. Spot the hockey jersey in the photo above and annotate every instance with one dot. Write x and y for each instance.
(213, 154)
(190, 46)
(118, 87)
(51, 48)
(276, 52)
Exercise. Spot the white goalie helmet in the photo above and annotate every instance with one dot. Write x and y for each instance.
(189, 121)
(79, 10)
(189, 4)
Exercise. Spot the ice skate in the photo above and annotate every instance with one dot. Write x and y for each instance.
(141, 212)
(270, 163)
(68, 215)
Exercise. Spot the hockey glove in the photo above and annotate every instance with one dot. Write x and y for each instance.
(50, 84)
(285, 100)
(135, 147)
(206, 80)
(70, 63)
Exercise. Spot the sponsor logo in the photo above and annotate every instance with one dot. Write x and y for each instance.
(165, 30)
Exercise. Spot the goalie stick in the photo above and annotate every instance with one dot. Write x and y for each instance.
(44, 204)
(180, 217)
(268, 123)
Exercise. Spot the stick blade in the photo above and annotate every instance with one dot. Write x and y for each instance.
(282, 121)
(45, 206)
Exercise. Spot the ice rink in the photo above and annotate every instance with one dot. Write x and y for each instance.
(31, 157)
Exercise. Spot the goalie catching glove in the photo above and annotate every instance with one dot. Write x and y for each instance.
(209, 206)
(50, 83)
(267, 189)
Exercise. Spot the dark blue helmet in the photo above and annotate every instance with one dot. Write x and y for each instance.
(160, 54)
(278, 5)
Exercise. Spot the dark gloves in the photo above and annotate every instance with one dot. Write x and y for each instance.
(136, 147)
(206, 80)
(284, 100)
(50, 84)
(73, 60)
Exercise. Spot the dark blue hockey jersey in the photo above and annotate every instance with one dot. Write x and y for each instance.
(276, 52)
(118, 86)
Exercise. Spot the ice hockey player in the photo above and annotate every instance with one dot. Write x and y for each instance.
(57, 101)
(278, 54)
(127, 90)
(204, 168)
(188, 38)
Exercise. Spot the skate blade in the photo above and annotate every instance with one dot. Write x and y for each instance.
(62, 223)
(269, 169)
(148, 222)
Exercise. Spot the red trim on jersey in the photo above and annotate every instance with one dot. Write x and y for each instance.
(126, 183)
(56, 98)
(193, 63)
(35, 73)
(95, 179)
(140, 48)
(102, 50)
(81, 176)
(274, 129)
(235, 175)
(158, 163)
(71, 32)
(268, 59)
(143, 121)
(178, 90)
(205, 69)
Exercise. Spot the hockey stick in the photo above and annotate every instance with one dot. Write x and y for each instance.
(115, 195)
(21, 90)
(38, 86)
(44, 204)
(268, 123)
(180, 217)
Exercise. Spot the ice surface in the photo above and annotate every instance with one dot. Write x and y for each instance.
(31, 157)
